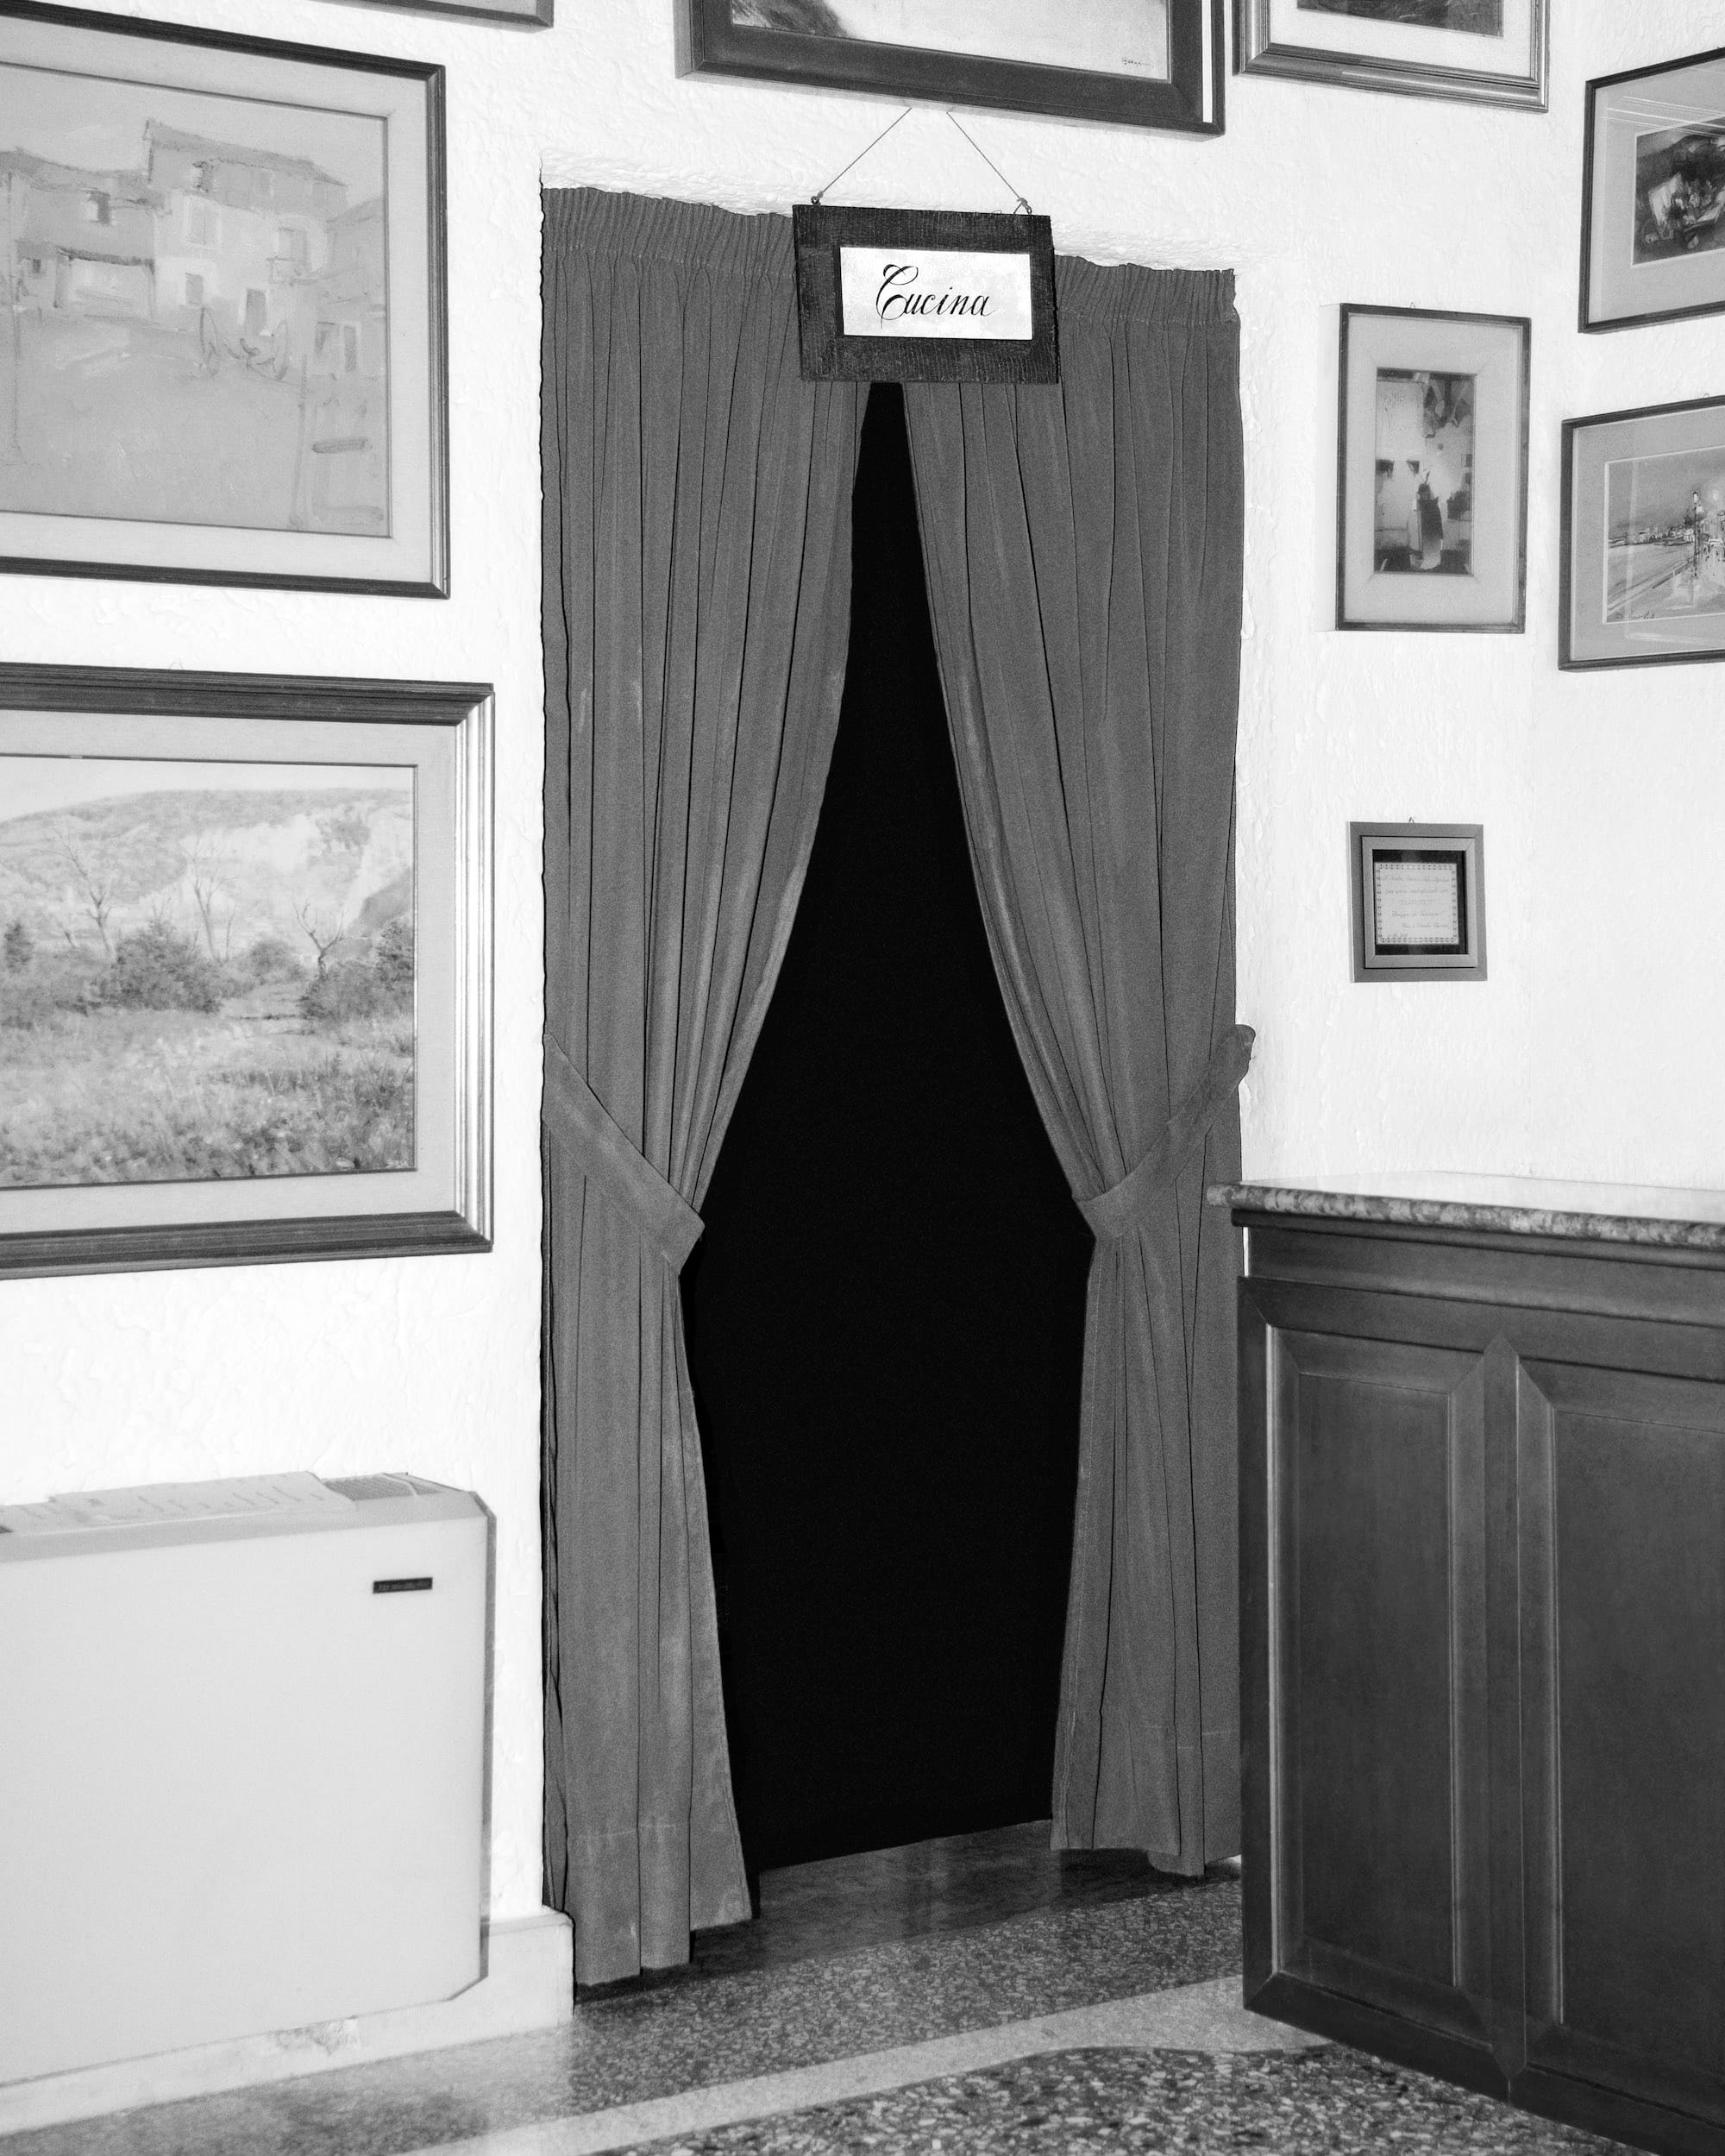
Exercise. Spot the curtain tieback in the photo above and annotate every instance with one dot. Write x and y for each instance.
(608, 1157)
(1127, 1206)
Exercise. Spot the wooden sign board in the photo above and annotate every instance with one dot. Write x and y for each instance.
(925, 296)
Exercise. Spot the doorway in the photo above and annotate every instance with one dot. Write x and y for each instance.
(886, 1311)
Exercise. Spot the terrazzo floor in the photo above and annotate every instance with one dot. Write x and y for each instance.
(1001, 1999)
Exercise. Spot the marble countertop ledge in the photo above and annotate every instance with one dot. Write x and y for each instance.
(1498, 1205)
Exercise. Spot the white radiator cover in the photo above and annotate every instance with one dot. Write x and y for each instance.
(240, 1791)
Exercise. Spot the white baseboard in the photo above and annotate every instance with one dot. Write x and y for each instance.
(529, 1984)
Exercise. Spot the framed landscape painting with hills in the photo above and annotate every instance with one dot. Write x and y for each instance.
(1494, 51)
(244, 968)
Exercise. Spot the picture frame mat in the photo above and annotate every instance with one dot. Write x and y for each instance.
(1279, 37)
(1591, 445)
(442, 915)
(1513, 55)
(406, 97)
(1493, 349)
(529, 13)
(1619, 289)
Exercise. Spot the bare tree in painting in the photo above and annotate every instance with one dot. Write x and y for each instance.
(322, 934)
(96, 879)
(205, 876)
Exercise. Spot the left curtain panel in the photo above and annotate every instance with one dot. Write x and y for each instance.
(697, 563)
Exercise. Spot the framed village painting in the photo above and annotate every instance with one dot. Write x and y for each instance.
(1494, 52)
(245, 969)
(1431, 470)
(225, 358)
(1653, 233)
(1643, 559)
(1136, 63)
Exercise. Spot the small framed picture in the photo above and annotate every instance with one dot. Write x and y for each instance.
(1432, 480)
(245, 969)
(223, 361)
(1135, 63)
(1419, 900)
(1490, 51)
(1653, 230)
(1642, 573)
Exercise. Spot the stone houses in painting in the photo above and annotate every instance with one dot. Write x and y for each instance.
(256, 253)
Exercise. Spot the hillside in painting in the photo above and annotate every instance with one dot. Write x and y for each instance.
(199, 983)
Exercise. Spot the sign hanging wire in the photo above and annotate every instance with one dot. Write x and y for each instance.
(1020, 201)
(861, 153)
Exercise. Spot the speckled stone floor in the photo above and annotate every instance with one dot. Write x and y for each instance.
(958, 2000)
(1328, 2103)
(701, 2030)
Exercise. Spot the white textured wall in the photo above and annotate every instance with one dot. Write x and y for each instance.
(1600, 796)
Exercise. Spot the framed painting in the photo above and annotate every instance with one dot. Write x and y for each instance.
(1642, 567)
(1431, 470)
(1491, 52)
(266, 902)
(224, 360)
(1138, 63)
(1419, 900)
(1653, 219)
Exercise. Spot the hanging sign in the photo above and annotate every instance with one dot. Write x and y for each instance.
(925, 296)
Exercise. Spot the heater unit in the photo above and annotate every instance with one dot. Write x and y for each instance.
(241, 1761)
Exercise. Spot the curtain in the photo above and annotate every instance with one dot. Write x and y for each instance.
(697, 553)
(1084, 553)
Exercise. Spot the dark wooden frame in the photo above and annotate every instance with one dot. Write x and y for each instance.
(829, 355)
(1445, 839)
(1571, 428)
(466, 1226)
(436, 583)
(1256, 54)
(710, 43)
(1591, 97)
(1517, 625)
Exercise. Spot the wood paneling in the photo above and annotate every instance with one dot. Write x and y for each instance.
(1483, 1563)
(1622, 1501)
(1378, 1627)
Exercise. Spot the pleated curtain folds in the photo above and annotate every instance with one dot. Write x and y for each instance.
(1084, 549)
(696, 611)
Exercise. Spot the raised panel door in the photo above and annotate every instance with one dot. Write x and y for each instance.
(1375, 1656)
(1622, 1501)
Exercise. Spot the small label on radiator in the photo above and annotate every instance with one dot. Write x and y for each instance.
(402, 1587)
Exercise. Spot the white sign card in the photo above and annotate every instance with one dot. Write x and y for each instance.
(934, 292)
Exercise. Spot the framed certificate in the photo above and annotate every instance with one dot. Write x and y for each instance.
(1419, 900)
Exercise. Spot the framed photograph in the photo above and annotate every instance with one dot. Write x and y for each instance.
(1431, 479)
(1642, 572)
(1652, 229)
(1136, 63)
(1419, 900)
(1488, 52)
(245, 969)
(533, 11)
(223, 362)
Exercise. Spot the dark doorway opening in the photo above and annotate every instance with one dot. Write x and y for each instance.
(885, 1311)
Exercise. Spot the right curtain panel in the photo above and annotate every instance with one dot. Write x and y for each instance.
(1084, 547)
